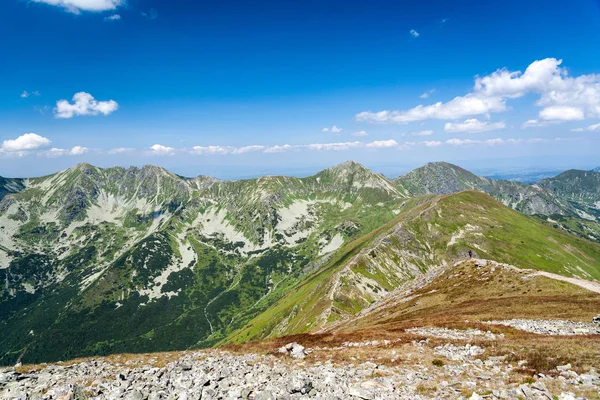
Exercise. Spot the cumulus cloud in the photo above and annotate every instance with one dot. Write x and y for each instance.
(84, 104)
(382, 144)
(459, 107)
(333, 129)
(160, 150)
(473, 125)
(56, 152)
(360, 133)
(591, 128)
(26, 142)
(561, 96)
(76, 6)
(414, 33)
(561, 113)
(114, 17)
(432, 143)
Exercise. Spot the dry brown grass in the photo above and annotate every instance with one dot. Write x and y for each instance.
(157, 360)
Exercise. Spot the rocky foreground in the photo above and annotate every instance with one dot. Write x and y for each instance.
(419, 370)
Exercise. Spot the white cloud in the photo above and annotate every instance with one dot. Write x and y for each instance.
(78, 150)
(248, 149)
(333, 129)
(422, 133)
(591, 128)
(216, 150)
(26, 142)
(432, 143)
(56, 152)
(160, 150)
(27, 94)
(427, 94)
(84, 104)
(459, 107)
(562, 97)
(382, 144)
(414, 33)
(279, 149)
(340, 146)
(497, 141)
(360, 133)
(211, 149)
(473, 125)
(562, 113)
(532, 123)
(504, 83)
(114, 17)
(121, 150)
(76, 6)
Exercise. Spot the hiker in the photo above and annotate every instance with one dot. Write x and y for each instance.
(470, 254)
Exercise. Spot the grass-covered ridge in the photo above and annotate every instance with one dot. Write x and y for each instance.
(437, 232)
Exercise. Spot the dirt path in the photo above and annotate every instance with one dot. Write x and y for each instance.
(589, 285)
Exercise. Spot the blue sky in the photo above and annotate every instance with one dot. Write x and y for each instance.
(238, 88)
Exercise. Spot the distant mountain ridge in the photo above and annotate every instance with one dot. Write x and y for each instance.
(189, 262)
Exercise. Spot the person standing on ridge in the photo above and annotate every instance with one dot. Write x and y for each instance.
(470, 254)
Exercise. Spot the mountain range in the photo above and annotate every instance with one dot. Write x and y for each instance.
(99, 261)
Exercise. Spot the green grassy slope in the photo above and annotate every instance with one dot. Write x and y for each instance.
(439, 231)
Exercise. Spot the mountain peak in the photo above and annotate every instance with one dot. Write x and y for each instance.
(438, 178)
(348, 166)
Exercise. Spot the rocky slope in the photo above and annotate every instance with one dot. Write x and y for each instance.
(578, 189)
(443, 372)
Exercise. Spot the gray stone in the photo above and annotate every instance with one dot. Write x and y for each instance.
(361, 393)
(265, 395)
